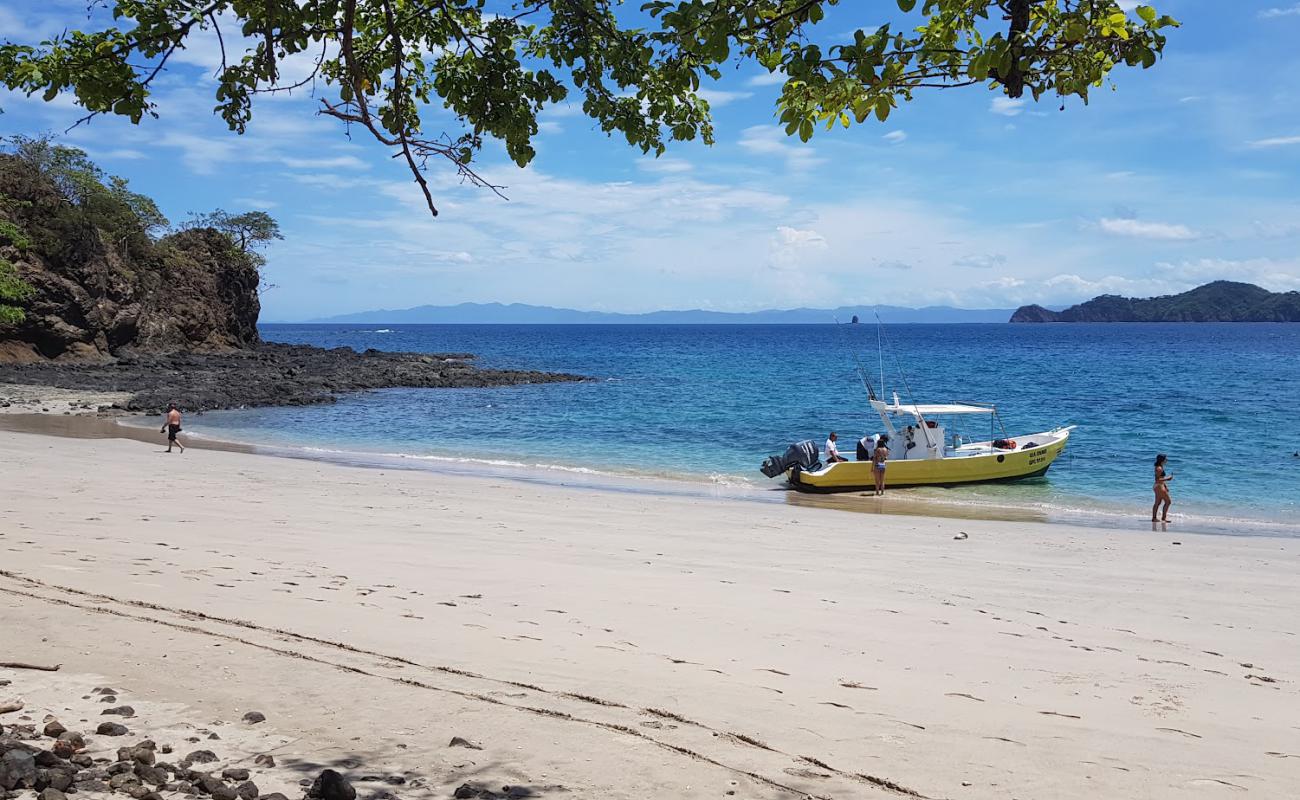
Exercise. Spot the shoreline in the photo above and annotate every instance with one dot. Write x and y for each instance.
(90, 426)
(633, 645)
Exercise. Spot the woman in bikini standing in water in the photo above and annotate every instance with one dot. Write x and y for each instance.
(878, 459)
(1161, 489)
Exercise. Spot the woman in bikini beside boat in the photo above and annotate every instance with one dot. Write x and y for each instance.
(1161, 489)
(878, 459)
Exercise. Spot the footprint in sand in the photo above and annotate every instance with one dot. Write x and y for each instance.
(963, 694)
(1217, 781)
(1180, 732)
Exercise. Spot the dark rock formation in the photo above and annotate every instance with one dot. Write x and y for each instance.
(1221, 301)
(330, 785)
(103, 288)
(269, 374)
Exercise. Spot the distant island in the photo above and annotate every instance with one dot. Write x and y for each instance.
(521, 314)
(1220, 301)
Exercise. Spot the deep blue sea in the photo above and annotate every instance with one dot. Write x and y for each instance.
(705, 404)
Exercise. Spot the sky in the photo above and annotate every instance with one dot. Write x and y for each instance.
(1179, 175)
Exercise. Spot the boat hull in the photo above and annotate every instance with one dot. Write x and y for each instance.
(1013, 465)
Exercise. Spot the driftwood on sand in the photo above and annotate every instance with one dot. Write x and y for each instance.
(21, 665)
(10, 705)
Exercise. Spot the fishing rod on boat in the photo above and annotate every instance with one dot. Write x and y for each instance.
(880, 333)
(862, 373)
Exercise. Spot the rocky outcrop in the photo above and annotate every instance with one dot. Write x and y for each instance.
(265, 375)
(1220, 301)
(103, 288)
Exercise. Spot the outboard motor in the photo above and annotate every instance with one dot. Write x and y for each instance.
(802, 455)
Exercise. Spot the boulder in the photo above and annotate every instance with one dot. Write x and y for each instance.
(200, 757)
(247, 790)
(54, 728)
(330, 785)
(17, 769)
(139, 754)
(235, 774)
(111, 729)
(254, 717)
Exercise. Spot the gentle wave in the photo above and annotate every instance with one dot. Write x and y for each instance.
(1063, 509)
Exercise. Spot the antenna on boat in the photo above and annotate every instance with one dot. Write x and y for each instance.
(880, 350)
(925, 431)
(862, 373)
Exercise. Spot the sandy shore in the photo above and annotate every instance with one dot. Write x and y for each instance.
(615, 645)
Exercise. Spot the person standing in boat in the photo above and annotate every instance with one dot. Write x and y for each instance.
(1161, 489)
(832, 452)
(878, 459)
(867, 446)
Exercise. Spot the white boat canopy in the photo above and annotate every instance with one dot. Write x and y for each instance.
(936, 410)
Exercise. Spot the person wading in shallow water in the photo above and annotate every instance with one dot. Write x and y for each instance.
(172, 427)
(1162, 490)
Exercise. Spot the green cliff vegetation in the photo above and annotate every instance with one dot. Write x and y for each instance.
(1220, 301)
(90, 268)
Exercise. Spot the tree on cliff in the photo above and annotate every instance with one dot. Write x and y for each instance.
(248, 230)
(495, 64)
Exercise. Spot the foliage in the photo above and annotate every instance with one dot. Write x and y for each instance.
(248, 230)
(496, 64)
(129, 218)
(13, 289)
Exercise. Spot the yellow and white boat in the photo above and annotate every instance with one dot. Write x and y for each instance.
(923, 454)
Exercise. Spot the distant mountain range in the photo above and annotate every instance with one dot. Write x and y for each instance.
(519, 314)
(1220, 301)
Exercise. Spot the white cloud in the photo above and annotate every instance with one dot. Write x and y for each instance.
(1146, 230)
(768, 79)
(665, 164)
(717, 98)
(1273, 13)
(1008, 106)
(334, 162)
(981, 260)
(895, 137)
(256, 202)
(1276, 141)
(1276, 275)
(770, 140)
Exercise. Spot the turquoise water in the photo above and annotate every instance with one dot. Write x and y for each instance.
(708, 403)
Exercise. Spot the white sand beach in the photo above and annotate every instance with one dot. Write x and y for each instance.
(619, 645)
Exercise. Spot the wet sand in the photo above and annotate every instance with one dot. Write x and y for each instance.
(630, 645)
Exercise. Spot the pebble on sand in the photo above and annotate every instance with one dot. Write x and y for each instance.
(111, 729)
(254, 717)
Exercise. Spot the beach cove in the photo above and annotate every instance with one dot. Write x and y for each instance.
(624, 645)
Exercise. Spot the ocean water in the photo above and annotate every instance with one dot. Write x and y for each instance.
(704, 405)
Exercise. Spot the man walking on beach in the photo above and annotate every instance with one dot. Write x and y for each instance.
(172, 426)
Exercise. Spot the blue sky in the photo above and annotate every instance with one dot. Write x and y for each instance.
(1185, 173)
